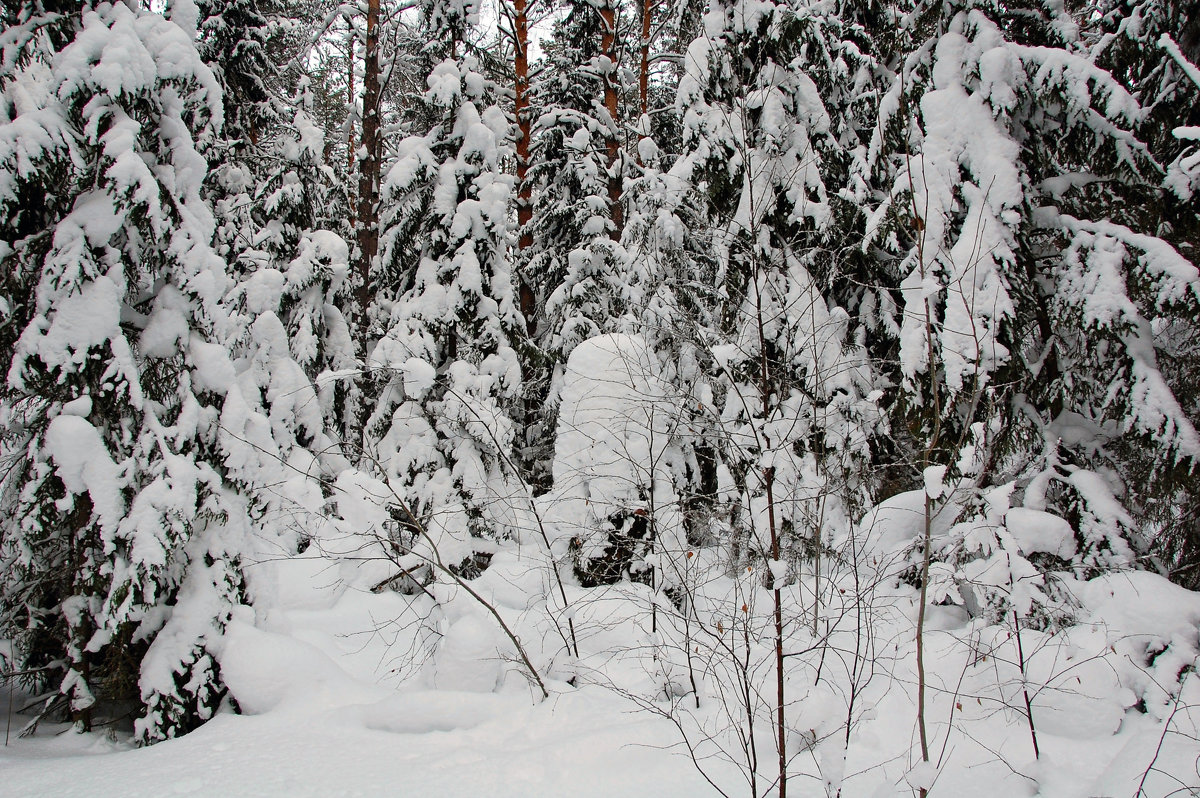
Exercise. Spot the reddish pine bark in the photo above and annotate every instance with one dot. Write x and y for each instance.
(608, 48)
(524, 188)
(644, 71)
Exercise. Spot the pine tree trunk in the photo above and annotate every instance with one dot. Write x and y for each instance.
(368, 176)
(644, 75)
(524, 187)
(350, 53)
(608, 48)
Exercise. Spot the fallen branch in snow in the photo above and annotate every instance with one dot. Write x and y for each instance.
(383, 583)
(537, 517)
(689, 744)
(508, 632)
(434, 562)
(1178, 704)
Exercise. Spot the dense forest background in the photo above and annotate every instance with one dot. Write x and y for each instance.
(755, 310)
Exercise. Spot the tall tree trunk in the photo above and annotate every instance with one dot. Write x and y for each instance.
(368, 175)
(608, 48)
(350, 53)
(79, 621)
(644, 76)
(524, 187)
(351, 113)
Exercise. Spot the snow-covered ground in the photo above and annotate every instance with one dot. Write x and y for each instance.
(445, 744)
(522, 682)
(340, 699)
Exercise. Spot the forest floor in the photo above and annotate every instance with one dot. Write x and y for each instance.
(336, 702)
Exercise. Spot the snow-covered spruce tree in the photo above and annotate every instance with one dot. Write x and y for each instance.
(667, 270)
(116, 508)
(285, 410)
(273, 440)
(440, 432)
(680, 219)
(573, 262)
(269, 182)
(791, 398)
(1153, 47)
(232, 40)
(32, 32)
(789, 401)
(153, 432)
(274, 216)
(1029, 316)
(273, 195)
